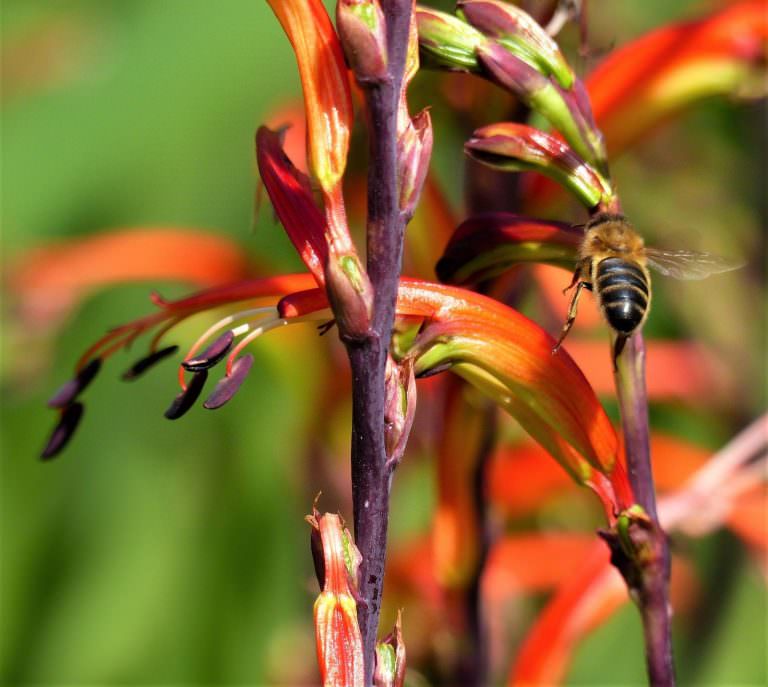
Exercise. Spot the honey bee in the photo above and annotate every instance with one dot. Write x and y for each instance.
(613, 263)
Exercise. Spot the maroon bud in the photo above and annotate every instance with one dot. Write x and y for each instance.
(62, 433)
(211, 355)
(70, 390)
(186, 399)
(229, 385)
(141, 366)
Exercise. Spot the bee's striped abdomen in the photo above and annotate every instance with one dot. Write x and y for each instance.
(622, 288)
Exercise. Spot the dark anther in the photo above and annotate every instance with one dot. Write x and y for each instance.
(442, 367)
(141, 366)
(228, 386)
(70, 390)
(211, 355)
(186, 399)
(63, 431)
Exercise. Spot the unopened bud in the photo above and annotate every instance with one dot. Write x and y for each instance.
(414, 151)
(361, 27)
(399, 407)
(519, 33)
(351, 295)
(517, 147)
(537, 92)
(390, 658)
(339, 643)
(446, 41)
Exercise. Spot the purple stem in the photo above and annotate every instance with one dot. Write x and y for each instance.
(652, 579)
(371, 476)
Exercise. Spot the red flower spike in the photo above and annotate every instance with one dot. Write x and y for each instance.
(339, 645)
(517, 147)
(486, 245)
(327, 97)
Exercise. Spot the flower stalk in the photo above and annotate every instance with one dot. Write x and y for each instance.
(371, 467)
(641, 551)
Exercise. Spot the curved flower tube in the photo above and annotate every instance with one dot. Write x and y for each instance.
(486, 245)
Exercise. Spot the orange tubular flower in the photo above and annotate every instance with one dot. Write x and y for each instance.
(327, 97)
(652, 78)
(339, 645)
(329, 116)
(510, 358)
(50, 280)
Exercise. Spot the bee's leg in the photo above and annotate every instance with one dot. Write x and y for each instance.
(618, 347)
(572, 309)
(575, 280)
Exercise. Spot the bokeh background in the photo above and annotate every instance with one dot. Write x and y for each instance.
(157, 553)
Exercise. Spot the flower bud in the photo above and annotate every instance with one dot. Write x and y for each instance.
(538, 93)
(414, 151)
(339, 643)
(446, 41)
(350, 294)
(363, 36)
(519, 33)
(399, 407)
(517, 147)
(390, 658)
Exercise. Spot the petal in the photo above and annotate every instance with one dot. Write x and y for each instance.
(506, 349)
(327, 98)
(50, 280)
(292, 200)
(485, 245)
(587, 597)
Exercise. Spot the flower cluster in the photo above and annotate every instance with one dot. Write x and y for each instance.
(511, 360)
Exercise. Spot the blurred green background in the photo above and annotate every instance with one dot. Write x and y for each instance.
(156, 553)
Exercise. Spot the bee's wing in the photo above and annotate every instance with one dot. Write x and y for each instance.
(688, 264)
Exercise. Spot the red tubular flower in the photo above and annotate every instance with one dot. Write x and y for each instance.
(329, 115)
(327, 97)
(339, 645)
(292, 200)
(486, 245)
